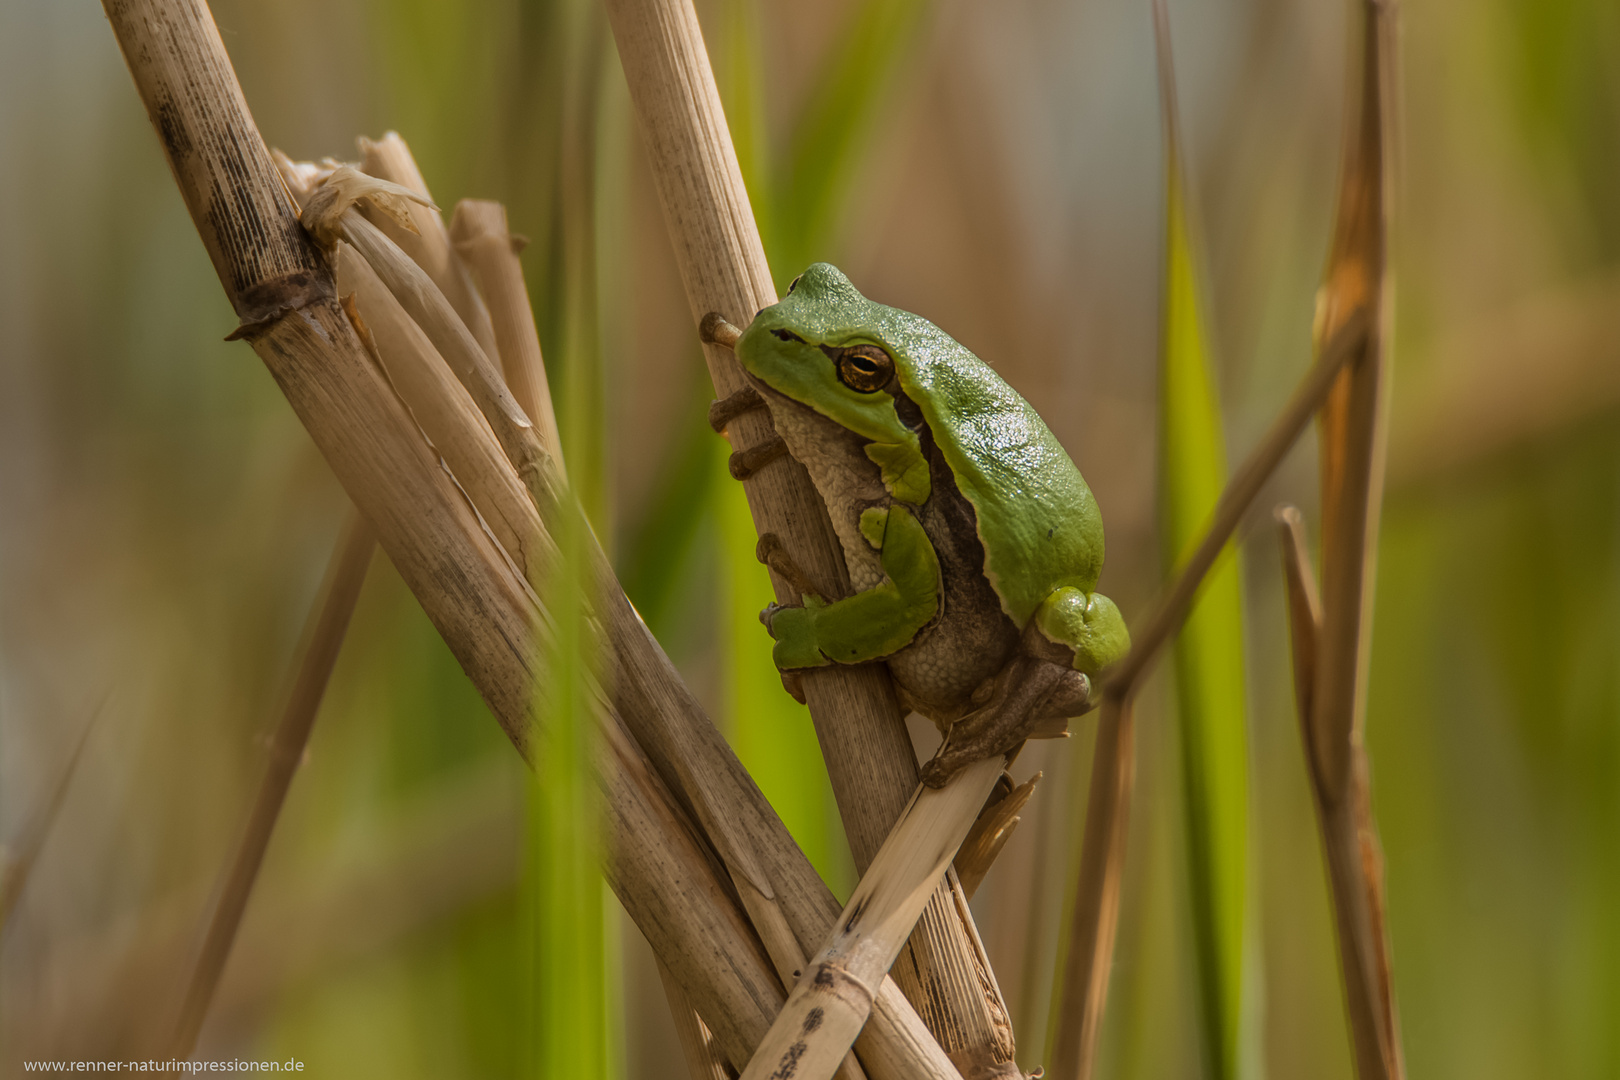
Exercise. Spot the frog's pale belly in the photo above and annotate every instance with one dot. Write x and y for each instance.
(971, 638)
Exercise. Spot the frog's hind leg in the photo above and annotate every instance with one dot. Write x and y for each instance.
(1022, 696)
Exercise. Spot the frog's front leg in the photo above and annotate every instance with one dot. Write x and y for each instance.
(871, 624)
(1073, 637)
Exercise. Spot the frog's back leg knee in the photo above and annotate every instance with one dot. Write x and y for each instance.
(1087, 623)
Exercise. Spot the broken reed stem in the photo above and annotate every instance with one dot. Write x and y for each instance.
(17, 859)
(830, 1004)
(345, 574)
(1085, 971)
(870, 760)
(467, 585)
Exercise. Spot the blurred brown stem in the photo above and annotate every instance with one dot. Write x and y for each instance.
(17, 858)
(344, 577)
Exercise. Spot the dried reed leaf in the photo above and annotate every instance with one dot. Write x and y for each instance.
(1304, 614)
(990, 834)
(1095, 916)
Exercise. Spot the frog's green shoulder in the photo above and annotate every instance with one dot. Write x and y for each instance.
(1036, 516)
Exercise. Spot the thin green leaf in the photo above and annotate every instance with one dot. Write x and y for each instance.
(572, 1026)
(1209, 651)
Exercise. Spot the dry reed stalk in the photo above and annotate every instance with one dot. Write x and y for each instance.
(428, 245)
(344, 576)
(831, 1003)
(18, 857)
(869, 756)
(479, 233)
(1352, 441)
(467, 584)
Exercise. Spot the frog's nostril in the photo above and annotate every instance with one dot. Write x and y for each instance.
(758, 313)
(787, 335)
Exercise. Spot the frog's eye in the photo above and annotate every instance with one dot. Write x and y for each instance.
(866, 369)
(794, 284)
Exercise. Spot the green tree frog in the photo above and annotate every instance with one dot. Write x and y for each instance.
(972, 542)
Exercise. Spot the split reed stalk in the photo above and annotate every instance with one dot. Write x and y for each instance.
(869, 756)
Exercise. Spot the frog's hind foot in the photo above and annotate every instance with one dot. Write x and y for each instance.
(1021, 706)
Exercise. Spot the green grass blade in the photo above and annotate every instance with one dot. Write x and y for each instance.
(570, 1004)
(572, 1026)
(830, 135)
(1209, 652)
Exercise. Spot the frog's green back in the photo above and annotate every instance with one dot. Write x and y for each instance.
(1036, 516)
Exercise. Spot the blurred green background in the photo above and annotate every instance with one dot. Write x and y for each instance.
(164, 521)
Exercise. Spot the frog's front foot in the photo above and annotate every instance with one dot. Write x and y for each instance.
(794, 629)
(1029, 694)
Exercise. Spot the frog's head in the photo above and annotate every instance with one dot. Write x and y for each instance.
(829, 348)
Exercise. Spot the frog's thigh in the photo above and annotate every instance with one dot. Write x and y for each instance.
(1088, 623)
(884, 619)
